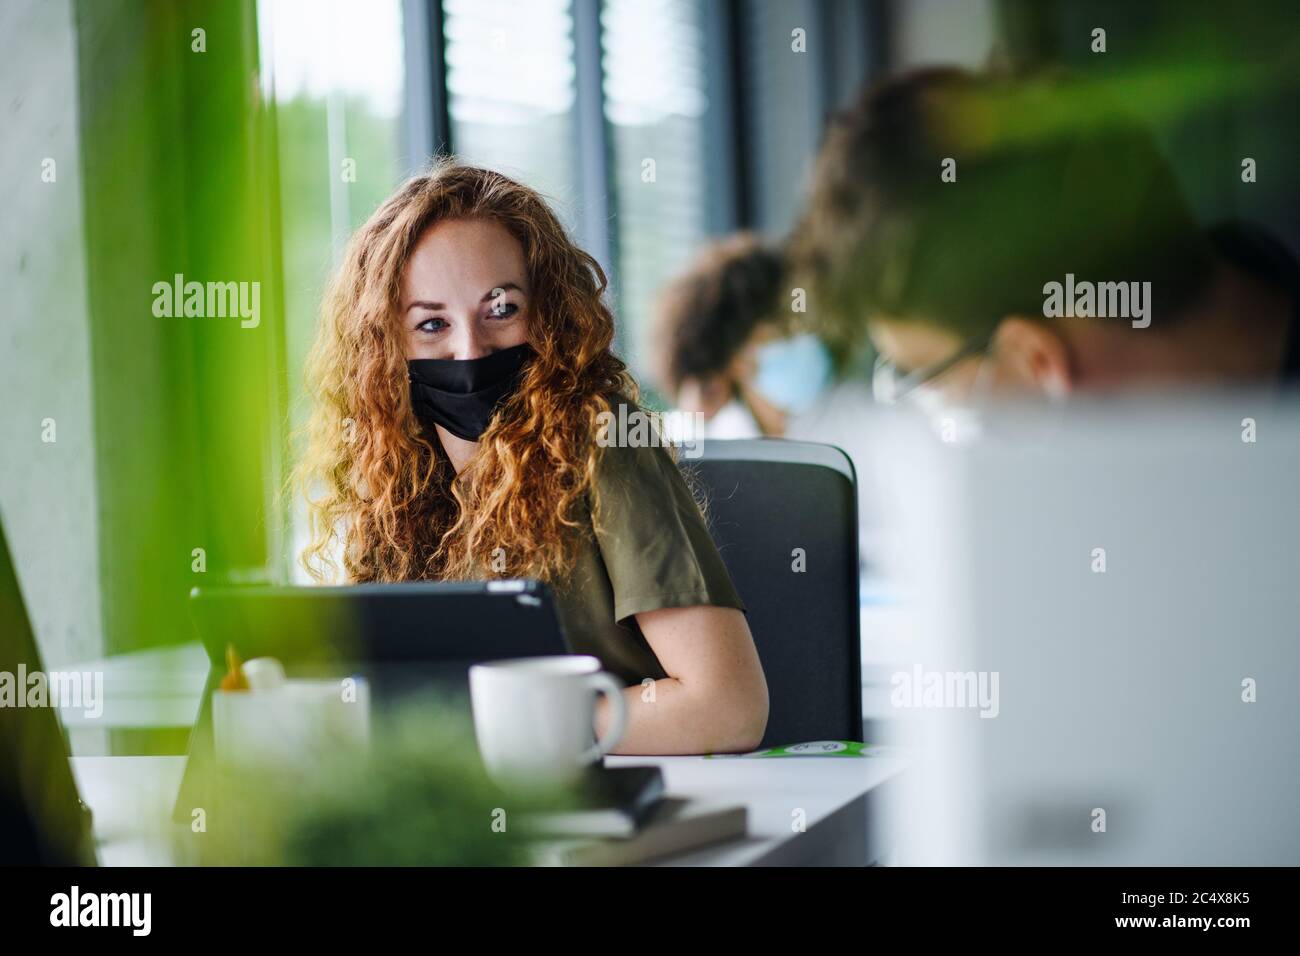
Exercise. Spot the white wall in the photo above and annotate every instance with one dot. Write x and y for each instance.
(929, 32)
(47, 490)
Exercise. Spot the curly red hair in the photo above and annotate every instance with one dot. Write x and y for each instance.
(378, 490)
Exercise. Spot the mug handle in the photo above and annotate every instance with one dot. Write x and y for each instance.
(604, 683)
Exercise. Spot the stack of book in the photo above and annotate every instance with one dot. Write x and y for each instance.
(624, 817)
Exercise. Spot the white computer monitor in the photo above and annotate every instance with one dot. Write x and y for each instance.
(1116, 588)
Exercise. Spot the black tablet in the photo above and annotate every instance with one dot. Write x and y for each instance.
(424, 629)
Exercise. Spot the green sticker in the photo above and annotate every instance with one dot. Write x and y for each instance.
(814, 748)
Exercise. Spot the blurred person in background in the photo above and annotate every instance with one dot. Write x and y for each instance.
(723, 350)
(945, 204)
(731, 349)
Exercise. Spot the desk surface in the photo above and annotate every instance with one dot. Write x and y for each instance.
(131, 799)
(828, 796)
(131, 796)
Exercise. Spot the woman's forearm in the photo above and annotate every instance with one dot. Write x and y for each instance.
(671, 717)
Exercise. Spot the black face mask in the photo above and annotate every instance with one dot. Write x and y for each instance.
(461, 395)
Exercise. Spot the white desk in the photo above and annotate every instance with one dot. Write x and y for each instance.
(833, 793)
(131, 799)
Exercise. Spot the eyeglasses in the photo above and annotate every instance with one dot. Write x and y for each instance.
(889, 385)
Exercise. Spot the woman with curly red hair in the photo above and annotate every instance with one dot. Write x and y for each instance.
(459, 377)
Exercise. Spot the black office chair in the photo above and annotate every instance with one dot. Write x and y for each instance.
(764, 499)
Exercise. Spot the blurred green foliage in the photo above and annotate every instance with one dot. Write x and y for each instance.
(419, 796)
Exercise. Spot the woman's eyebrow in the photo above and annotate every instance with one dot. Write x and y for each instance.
(499, 290)
(495, 292)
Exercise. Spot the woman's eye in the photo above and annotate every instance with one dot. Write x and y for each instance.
(431, 325)
(503, 310)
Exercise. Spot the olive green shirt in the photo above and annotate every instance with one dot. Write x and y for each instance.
(650, 549)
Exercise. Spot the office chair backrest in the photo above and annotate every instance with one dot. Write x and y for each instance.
(784, 517)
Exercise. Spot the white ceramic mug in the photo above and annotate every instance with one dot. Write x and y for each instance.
(296, 724)
(534, 716)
